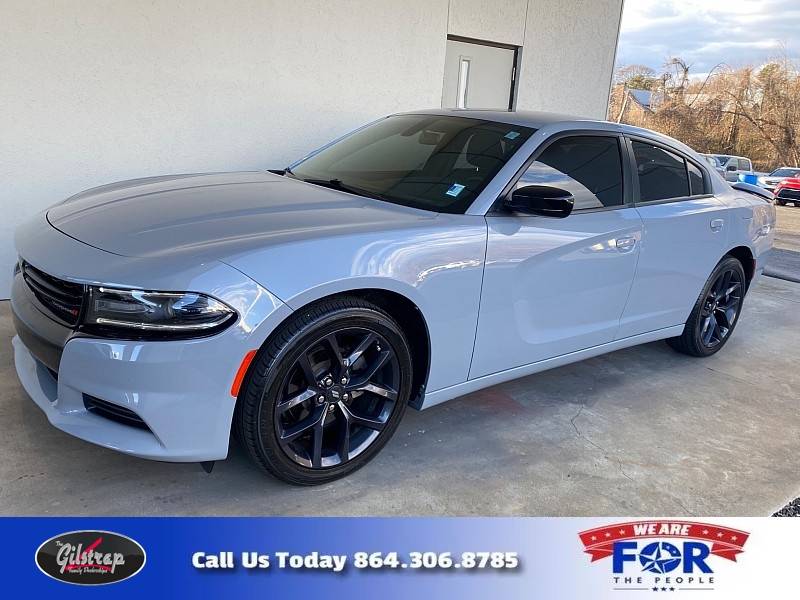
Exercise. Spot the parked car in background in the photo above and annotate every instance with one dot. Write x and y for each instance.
(770, 181)
(711, 159)
(423, 257)
(733, 166)
(788, 190)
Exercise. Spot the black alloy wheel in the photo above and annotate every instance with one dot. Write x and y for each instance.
(326, 393)
(715, 313)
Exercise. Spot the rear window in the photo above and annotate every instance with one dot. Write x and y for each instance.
(664, 174)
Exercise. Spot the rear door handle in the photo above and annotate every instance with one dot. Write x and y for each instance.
(716, 224)
(625, 244)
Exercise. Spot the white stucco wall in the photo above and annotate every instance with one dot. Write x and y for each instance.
(489, 20)
(568, 56)
(93, 91)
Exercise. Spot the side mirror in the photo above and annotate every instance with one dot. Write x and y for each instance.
(541, 200)
(731, 168)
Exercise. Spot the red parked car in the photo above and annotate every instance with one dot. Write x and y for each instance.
(788, 190)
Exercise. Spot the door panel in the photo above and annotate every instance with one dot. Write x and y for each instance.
(685, 235)
(553, 286)
(682, 243)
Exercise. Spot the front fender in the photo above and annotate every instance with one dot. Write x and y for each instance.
(437, 265)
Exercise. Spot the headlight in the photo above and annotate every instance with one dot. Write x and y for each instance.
(155, 314)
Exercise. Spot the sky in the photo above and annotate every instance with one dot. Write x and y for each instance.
(704, 34)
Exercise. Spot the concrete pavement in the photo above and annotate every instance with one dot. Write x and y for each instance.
(639, 432)
(784, 262)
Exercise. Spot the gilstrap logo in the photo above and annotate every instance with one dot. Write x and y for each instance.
(90, 557)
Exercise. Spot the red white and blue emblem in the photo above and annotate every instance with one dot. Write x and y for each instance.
(663, 556)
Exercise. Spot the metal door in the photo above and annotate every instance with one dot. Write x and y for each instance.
(478, 76)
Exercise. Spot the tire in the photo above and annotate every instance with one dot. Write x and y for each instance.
(325, 393)
(780, 202)
(715, 313)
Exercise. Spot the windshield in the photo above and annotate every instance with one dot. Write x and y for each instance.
(437, 163)
(722, 158)
(785, 173)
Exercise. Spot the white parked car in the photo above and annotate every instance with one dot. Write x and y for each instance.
(420, 258)
(770, 181)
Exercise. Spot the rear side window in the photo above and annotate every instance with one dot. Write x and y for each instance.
(696, 180)
(664, 175)
(744, 164)
(588, 167)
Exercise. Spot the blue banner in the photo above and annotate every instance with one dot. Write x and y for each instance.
(390, 558)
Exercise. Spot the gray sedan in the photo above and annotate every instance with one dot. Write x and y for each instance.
(417, 259)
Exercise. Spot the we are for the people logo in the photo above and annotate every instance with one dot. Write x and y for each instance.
(663, 556)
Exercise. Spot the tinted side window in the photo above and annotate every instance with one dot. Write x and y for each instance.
(662, 174)
(589, 167)
(744, 164)
(696, 180)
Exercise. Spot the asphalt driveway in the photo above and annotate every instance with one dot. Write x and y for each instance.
(639, 432)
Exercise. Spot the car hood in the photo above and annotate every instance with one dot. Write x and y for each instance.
(793, 184)
(216, 215)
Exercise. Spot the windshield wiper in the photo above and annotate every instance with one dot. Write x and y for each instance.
(336, 184)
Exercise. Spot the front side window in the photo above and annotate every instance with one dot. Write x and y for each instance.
(588, 167)
(437, 163)
(662, 174)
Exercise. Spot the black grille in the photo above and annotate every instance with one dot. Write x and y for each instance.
(63, 299)
(789, 193)
(113, 412)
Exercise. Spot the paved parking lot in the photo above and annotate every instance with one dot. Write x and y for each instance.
(639, 432)
(785, 259)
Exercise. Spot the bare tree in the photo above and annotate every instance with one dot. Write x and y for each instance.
(748, 111)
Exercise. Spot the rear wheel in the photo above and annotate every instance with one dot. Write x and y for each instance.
(715, 313)
(326, 393)
(780, 202)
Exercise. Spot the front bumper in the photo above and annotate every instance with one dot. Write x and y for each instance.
(180, 391)
(174, 396)
(788, 194)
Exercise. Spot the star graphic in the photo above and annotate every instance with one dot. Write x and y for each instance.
(594, 538)
(734, 538)
(655, 589)
(608, 534)
(622, 532)
(659, 557)
(705, 531)
(719, 535)
(672, 589)
(663, 589)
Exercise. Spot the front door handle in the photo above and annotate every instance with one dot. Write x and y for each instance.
(625, 244)
(716, 224)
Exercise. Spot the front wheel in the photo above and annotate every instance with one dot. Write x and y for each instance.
(326, 393)
(715, 313)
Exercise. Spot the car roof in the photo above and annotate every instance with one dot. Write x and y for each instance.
(527, 118)
(537, 120)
